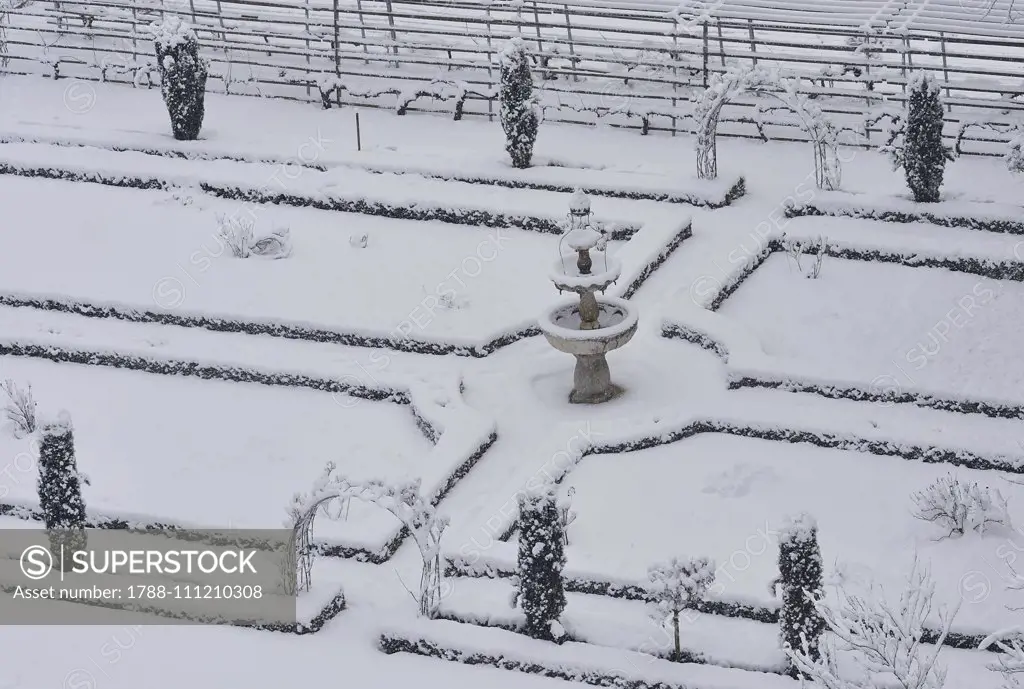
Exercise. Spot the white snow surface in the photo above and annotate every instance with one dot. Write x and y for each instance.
(203, 452)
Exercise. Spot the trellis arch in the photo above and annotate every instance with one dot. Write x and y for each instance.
(403, 500)
(724, 88)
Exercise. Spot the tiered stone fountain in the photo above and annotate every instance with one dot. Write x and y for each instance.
(592, 327)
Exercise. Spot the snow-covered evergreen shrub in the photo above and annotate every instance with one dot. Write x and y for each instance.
(800, 580)
(885, 642)
(960, 507)
(59, 487)
(1015, 153)
(518, 112)
(676, 586)
(538, 582)
(923, 155)
(182, 75)
(20, 409)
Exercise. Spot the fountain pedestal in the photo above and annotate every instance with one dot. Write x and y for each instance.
(592, 383)
(592, 380)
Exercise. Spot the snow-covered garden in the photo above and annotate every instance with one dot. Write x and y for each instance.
(220, 312)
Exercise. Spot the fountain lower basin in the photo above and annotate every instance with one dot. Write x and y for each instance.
(617, 323)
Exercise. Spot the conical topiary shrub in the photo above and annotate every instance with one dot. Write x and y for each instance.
(518, 107)
(924, 155)
(182, 76)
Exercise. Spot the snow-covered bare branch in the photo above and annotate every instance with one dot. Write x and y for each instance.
(403, 500)
(960, 506)
(20, 409)
(884, 640)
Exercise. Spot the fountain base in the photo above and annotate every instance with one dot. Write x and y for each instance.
(592, 380)
(562, 326)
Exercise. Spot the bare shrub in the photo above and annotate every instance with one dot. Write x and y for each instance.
(960, 506)
(20, 409)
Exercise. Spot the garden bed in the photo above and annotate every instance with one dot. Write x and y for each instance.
(938, 332)
(148, 252)
(626, 625)
(575, 662)
(738, 490)
(192, 453)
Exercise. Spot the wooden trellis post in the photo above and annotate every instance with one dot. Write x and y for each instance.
(753, 43)
(675, 69)
(721, 44)
(945, 70)
(540, 46)
(572, 47)
(705, 54)
(309, 68)
(362, 30)
(394, 36)
(490, 64)
(337, 55)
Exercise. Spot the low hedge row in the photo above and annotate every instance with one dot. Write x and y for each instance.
(658, 261)
(990, 409)
(391, 644)
(1002, 225)
(477, 217)
(283, 330)
(333, 608)
(737, 190)
(611, 589)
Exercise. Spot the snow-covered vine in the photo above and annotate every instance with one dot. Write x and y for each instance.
(737, 81)
(402, 500)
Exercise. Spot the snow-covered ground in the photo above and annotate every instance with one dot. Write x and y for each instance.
(925, 328)
(220, 453)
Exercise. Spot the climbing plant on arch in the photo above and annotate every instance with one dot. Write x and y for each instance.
(403, 500)
(723, 88)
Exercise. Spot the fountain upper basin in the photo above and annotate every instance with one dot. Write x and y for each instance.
(561, 326)
(566, 276)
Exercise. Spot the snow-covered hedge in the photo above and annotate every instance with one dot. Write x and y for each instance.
(268, 327)
(408, 210)
(703, 193)
(957, 213)
(592, 583)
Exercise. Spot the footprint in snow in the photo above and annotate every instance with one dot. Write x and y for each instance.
(737, 481)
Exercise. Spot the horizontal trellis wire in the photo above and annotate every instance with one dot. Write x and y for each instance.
(627, 64)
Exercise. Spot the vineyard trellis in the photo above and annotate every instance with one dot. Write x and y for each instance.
(631, 64)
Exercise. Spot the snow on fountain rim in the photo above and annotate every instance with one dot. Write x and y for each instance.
(565, 274)
(583, 238)
(629, 321)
